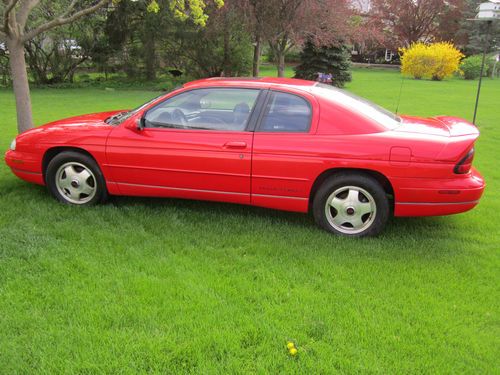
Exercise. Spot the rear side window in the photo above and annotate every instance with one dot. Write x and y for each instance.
(286, 113)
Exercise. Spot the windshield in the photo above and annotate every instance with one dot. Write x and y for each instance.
(118, 118)
(361, 105)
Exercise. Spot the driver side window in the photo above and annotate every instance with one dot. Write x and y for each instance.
(207, 109)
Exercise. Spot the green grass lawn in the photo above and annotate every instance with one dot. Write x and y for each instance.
(173, 286)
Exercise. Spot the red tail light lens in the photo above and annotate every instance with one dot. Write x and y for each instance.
(465, 164)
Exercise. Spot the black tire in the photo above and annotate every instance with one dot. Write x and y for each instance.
(371, 197)
(79, 185)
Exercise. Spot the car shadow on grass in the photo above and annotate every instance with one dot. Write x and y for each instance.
(416, 227)
(427, 236)
(419, 227)
(432, 238)
(210, 208)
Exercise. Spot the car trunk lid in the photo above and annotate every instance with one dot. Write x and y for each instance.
(444, 126)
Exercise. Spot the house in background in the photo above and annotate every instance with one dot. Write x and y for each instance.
(369, 51)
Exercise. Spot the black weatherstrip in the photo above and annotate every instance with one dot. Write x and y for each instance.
(260, 105)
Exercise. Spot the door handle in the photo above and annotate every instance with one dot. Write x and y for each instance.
(235, 145)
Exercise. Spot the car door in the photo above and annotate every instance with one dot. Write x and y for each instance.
(284, 160)
(193, 145)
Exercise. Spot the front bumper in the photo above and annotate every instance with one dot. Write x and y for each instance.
(434, 197)
(25, 165)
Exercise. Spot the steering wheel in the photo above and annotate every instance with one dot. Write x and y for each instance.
(179, 118)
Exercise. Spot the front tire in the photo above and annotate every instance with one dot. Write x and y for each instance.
(75, 178)
(351, 205)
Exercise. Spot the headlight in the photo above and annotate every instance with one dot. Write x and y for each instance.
(13, 145)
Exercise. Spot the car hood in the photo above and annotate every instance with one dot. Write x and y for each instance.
(92, 119)
(84, 128)
(444, 126)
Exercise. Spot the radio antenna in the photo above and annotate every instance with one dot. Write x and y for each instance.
(400, 91)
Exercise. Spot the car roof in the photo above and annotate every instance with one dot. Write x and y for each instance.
(263, 82)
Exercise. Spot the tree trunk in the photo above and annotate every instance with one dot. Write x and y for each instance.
(256, 57)
(281, 63)
(226, 63)
(150, 57)
(20, 84)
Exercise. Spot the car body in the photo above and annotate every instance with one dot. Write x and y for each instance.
(269, 142)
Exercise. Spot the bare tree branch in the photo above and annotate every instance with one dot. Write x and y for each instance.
(23, 13)
(70, 9)
(6, 13)
(64, 19)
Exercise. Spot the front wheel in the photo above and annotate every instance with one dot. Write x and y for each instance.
(351, 205)
(75, 178)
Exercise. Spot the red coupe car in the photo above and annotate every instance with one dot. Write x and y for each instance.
(286, 144)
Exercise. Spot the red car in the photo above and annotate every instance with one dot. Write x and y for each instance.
(280, 143)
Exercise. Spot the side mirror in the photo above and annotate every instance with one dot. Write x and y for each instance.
(136, 125)
(141, 123)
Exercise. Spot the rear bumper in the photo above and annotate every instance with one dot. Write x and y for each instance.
(433, 197)
(25, 165)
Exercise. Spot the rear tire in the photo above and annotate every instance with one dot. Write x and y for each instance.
(352, 205)
(75, 178)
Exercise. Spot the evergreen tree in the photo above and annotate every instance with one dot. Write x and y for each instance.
(334, 60)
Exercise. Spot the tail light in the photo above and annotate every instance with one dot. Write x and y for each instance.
(465, 164)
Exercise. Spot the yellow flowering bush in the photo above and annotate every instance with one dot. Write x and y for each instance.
(436, 61)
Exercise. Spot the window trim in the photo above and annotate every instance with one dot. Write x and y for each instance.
(265, 112)
(252, 119)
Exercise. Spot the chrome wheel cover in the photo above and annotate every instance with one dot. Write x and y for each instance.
(76, 183)
(350, 209)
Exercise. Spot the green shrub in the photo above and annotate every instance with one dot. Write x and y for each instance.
(84, 77)
(471, 67)
(334, 60)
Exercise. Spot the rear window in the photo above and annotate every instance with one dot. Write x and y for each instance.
(286, 113)
(360, 105)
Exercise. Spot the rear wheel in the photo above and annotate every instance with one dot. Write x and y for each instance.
(351, 205)
(75, 178)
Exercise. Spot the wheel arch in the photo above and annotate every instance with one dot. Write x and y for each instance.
(54, 151)
(379, 177)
